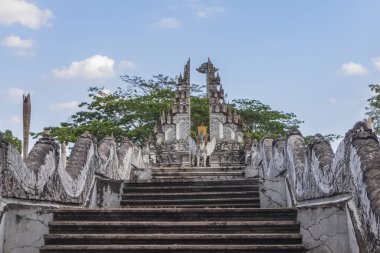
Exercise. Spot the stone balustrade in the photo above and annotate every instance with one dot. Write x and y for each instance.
(327, 186)
(43, 176)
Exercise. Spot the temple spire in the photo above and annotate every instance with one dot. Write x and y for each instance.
(186, 73)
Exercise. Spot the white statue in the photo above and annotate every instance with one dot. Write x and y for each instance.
(202, 149)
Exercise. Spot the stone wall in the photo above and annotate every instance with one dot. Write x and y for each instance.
(342, 187)
(30, 190)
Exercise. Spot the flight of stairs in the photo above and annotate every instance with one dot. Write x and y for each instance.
(197, 173)
(179, 213)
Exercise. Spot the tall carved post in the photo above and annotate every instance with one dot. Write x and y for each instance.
(63, 154)
(26, 114)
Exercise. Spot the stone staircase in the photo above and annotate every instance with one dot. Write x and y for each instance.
(180, 212)
(197, 173)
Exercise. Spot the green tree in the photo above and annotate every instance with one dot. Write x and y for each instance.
(373, 108)
(261, 120)
(13, 140)
(128, 112)
(199, 113)
(132, 111)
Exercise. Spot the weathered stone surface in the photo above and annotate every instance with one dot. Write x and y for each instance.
(24, 229)
(273, 192)
(44, 177)
(109, 193)
(314, 172)
(324, 229)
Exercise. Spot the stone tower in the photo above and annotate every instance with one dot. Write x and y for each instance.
(173, 130)
(225, 124)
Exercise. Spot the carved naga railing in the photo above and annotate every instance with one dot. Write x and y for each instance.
(43, 176)
(313, 171)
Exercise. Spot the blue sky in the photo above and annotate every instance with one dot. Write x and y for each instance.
(313, 58)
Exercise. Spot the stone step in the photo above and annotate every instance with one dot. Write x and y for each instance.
(198, 169)
(166, 178)
(190, 195)
(189, 248)
(188, 188)
(182, 227)
(146, 239)
(233, 205)
(176, 214)
(210, 170)
(195, 201)
(198, 173)
(202, 174)
(238, 182)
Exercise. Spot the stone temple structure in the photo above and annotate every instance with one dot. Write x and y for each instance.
(285, 195)
(226, 126)
(173, 129)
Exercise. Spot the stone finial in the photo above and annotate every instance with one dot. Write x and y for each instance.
(86, 135)
(186, 72)
(360, 131)
(368, 122)
(46, 133)
(180, 79)
(293, 130)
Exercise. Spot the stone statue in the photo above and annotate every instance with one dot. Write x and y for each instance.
(201, 149)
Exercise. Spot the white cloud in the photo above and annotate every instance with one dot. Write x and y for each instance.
(73, 105)
(14, 41)
(126, 65)
(24, 13)
(168, 23)
(95, 67)
(23, 53)
(332, 101)
(15, 94)
(352, 68)
(204, 12)
(376, 62)
(14, 120)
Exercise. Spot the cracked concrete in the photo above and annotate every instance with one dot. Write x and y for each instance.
(273, 192)
(324, 229)
(24, 230)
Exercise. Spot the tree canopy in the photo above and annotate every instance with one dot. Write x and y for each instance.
(16, 142)
(132, 111)
(373, 108)
(261, 120)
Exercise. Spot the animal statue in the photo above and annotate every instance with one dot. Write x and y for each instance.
(201, 150)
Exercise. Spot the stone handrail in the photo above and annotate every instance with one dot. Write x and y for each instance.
(43, 176)
(313, 171)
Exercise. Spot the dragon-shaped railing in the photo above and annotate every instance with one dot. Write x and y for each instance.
(43, 176)
(313, 171)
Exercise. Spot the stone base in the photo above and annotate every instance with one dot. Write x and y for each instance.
(324, 228)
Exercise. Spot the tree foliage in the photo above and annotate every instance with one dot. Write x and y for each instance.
(13, 140)
(199, 113)
(261, 120)
(132, 111)
(373, 108)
